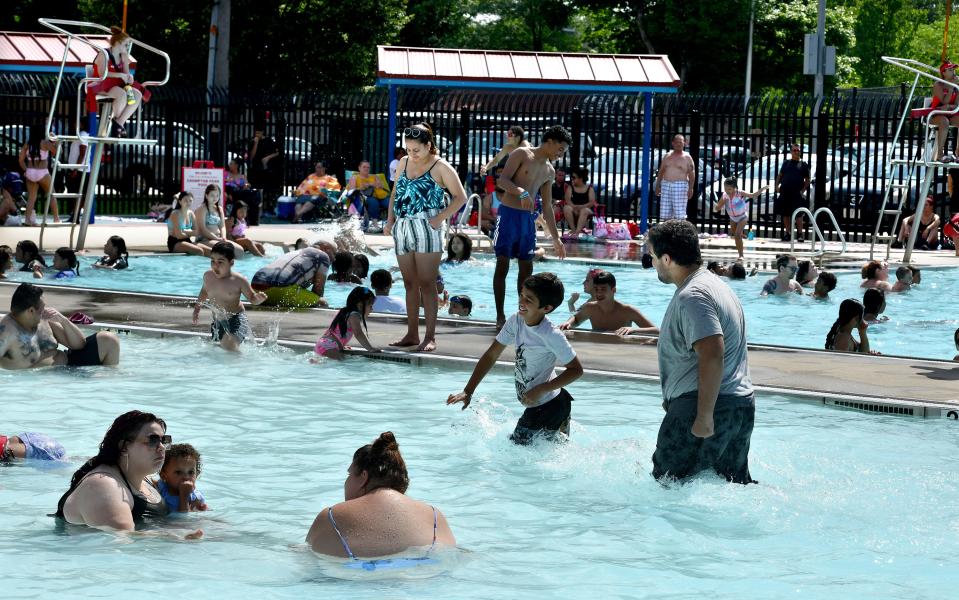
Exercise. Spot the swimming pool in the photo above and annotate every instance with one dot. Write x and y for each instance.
(838, 504)
(922, 321)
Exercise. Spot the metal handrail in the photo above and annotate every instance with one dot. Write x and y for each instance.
(904, 63)
(817, 232)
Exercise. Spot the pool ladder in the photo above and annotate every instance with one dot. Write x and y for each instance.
(817, 234)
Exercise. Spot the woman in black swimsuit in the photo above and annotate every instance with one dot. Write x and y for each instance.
(112, 490)
(580, 201)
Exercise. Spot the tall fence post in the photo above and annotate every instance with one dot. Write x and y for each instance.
(575, 152)
(356, 144)
(281, 124)
(169, 177)
(462, 169)
(822, 153)
(695, 126)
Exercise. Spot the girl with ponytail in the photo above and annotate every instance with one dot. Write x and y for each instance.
(377, 518)
(840, 335)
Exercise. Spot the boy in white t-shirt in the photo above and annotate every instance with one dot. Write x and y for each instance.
(382, 281)
(540, 346)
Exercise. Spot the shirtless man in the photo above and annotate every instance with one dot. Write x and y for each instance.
(527, 170)
(222, 288)
(944, 98)
(31, 333)
(785, 280)
(606, 313)
(676, 181)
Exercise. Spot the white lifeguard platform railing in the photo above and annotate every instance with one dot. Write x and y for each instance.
(896, 194)
(90, 167)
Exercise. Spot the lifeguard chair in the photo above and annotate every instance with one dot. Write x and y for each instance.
(89, 171)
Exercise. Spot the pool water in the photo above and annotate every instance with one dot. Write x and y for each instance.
(922, 321)
(840, 503)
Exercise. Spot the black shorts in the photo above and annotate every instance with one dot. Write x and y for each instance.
(236, 325)
(546, 419)
(679, 454)
(88, 356)
(787, 202)
(171, 242)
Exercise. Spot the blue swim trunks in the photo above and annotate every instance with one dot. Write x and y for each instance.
(515, 235)
(39, 446)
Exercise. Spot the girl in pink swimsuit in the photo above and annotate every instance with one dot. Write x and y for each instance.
(33, 161)
(349, 321)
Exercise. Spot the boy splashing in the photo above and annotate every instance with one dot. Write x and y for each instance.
(222, 288)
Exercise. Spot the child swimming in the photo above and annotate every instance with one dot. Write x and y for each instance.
(343, 268)
(350, 321)
(65, 263)
(30, 445)
(115, 255)
(587, 289)
(461, 305)
(222, 287)
(181, 468)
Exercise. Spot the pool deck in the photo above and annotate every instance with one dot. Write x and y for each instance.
(151, 237)
(872, 383)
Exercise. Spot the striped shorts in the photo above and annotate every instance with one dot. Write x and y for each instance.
(672, 200)
(414, 234)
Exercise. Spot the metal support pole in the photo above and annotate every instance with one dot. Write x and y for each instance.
(647, 163)
(462, 169)
(820, 47)
(576, 151)
(90, 197)
(391, 128)
(749, 55)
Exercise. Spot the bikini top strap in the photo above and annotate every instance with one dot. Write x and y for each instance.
(434, 528)
(337, 530)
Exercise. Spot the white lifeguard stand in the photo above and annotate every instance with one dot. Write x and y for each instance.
(89, 170)
(896, 194)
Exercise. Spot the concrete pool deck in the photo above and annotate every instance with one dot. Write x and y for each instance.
(873, 383)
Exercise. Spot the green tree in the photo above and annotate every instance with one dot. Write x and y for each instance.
(883, 28)
(438, 23)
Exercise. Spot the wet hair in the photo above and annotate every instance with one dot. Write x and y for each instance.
(871, 268)
(557, 133)
(737, 271)
(713, 266)
(298, 240)
(731, 182)
(30, 252)
(467, 247)
(955, 337)
(342, 265)
(123, 431)
(236, 208)
(518, 131)
(848, 309)
(902, 271)
(872, 301)
(582, 173)
(117, 35)
(429, 138)
(782, 260)
(804, 267)
(381, 279)
(67, 254)
(206, 192)
(916, 273)
(178, 451)
(679, 239)
(25, 297)
(224, 249)
(465, 300)
(358, 295)
(647, 261)
(547, 288)
(5, 259)
(604, 278)
(364, 263)
(121, 245)
(828, 279)
(383, 464)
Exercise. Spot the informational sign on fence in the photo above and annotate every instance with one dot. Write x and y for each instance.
(196, 179)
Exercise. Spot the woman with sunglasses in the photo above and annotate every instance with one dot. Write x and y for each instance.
(112, 490)
(417, 213)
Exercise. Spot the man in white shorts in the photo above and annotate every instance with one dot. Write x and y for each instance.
(676, 181)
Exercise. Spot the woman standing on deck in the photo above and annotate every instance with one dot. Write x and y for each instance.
(34, 160)
(417, 214)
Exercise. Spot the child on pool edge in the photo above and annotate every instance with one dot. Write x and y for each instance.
(350, 321)
(178, 476)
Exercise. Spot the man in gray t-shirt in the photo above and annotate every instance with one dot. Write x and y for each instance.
(707, 392)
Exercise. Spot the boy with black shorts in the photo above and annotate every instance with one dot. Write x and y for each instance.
(222, 288)
(540, 346)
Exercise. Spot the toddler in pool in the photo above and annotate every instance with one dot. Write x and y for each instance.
(178, 478)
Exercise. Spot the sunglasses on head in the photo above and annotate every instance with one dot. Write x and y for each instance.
(155, 440)
(414, 132)
(456, 300)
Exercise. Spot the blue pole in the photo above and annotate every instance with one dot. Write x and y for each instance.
(392, 124)
(647, 165)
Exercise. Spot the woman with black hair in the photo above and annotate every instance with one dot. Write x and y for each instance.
(112, 490)
(840, 334)
(34, 160)
(377, 518)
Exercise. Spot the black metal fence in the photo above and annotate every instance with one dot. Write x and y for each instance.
(846, 137)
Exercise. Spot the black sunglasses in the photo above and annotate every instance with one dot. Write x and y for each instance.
(155, 440)
(414, 132)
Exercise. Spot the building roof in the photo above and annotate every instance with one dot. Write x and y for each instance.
(557, 71)
(27, 52)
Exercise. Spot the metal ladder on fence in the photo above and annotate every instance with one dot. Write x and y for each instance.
(897, 193)
(816, 233)
(89, 171)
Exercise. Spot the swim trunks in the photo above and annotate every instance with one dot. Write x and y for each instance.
(88, 356)
(672, 199)
(545, 420)
(40, 446)
(515, 233)
(236, 325)
(679, 454)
